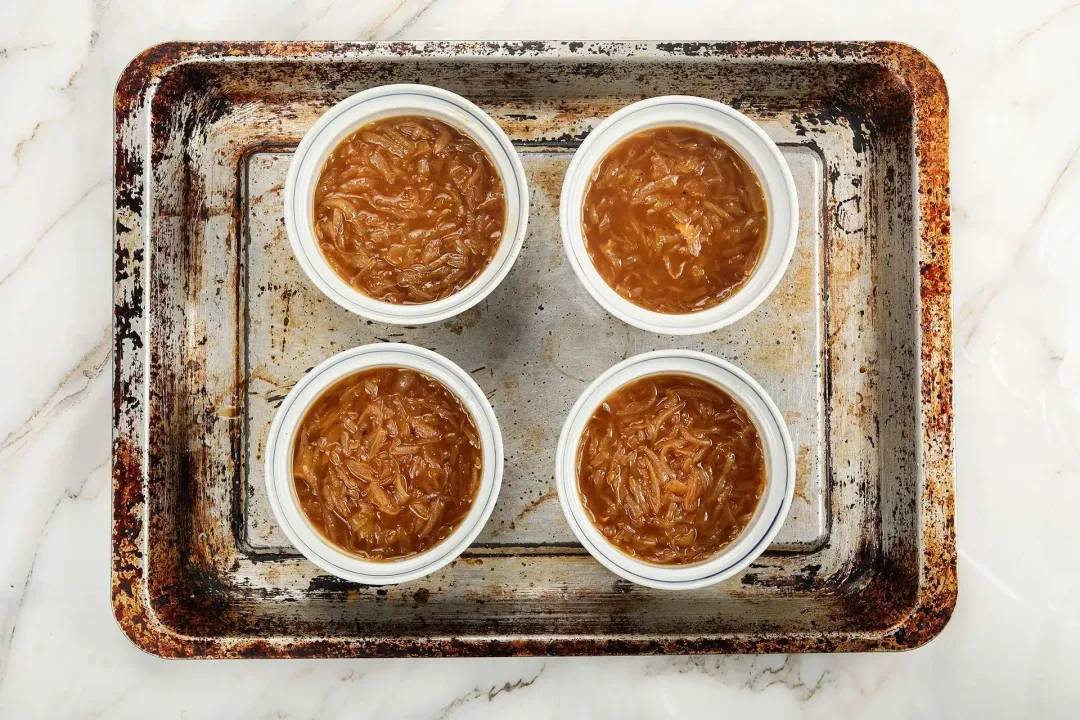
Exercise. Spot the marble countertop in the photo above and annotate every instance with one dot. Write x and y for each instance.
(1012, 647)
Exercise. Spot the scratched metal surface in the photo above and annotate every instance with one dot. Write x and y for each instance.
(533, 346)
(215, 322)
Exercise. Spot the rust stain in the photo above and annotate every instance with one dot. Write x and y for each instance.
(927, 85)
(547, 355)
(469, 560)
(535, 439)
(273, 190)
(802, 473)
(535, 504)
(547, 178)
(259, 373)
(796, 293)
(464, 321)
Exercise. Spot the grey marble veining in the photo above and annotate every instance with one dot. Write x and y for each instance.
(1011, 648)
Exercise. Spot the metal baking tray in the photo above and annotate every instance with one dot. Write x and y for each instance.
(214, 322)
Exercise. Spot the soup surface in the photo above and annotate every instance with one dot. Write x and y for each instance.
(387, 463)
(409, 210)
(670, 469)
(674, 220)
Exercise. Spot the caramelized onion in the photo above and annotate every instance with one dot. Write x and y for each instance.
(670, 469)
(674, 220)
(387, 463)
(409, 210)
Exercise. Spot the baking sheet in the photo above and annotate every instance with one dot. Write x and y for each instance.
(214, 322)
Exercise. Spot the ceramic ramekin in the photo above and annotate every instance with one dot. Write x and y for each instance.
(752, 144)
(775, 501)
(282, 489)
(376, 104)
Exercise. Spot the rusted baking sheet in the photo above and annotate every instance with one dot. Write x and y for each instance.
(214, 323)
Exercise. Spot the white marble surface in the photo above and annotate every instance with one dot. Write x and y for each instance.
(1012, 647)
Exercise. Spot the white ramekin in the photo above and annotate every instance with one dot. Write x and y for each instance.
(376, 104)
(775, 502)
(282, 489)
(752, 144)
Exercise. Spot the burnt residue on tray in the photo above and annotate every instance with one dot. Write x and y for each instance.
(186, 583)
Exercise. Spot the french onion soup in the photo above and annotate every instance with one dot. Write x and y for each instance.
(674, 220)
(670, 469)
(409, 210)
(387, 463)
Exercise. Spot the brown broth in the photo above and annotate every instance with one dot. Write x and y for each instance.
(674, 220)
(670, 469)
(387, 463)
(409, 210)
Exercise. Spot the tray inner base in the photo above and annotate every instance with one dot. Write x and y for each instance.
(532, 346)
